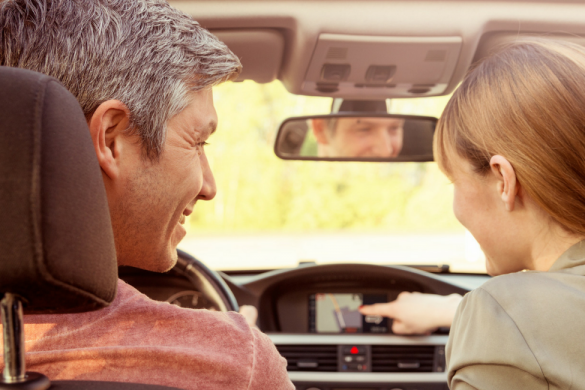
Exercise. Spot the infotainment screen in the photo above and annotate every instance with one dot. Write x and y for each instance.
(338, 313)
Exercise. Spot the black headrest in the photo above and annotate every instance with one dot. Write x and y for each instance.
(56, 242)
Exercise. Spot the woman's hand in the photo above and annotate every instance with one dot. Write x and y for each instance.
(416, 313)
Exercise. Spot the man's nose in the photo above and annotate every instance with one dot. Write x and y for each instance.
(384, 145)
(208, 188)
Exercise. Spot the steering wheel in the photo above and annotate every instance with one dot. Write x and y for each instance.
(206, 281)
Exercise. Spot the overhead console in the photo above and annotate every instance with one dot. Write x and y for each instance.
(260, 50)
(355, 66)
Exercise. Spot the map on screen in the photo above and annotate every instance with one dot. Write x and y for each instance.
(338, 313)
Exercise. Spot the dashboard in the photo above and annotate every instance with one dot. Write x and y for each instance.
(311, 314)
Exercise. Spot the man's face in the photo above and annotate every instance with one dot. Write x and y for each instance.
(365, 137)
(157, 196)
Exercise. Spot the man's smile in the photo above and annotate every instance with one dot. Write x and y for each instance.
(184, 216)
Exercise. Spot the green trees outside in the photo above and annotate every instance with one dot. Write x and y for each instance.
(257, 192)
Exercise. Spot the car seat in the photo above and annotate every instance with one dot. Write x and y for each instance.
(57, 252)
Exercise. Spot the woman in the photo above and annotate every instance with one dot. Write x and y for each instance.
(512, 140)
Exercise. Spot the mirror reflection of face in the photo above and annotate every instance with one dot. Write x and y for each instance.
(359, 137)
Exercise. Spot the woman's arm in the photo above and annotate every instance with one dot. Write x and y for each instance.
(416, 313)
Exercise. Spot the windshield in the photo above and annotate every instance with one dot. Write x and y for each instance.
(270, 213)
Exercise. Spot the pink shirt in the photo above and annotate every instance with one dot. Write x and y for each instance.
(139, 340)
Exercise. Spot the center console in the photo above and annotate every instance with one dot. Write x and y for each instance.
(364, 361)
(312, 315)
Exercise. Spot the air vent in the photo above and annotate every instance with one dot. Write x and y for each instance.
(309, 357)
(336, 53)
(402, 358)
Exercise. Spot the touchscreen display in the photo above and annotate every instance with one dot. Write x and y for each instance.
(338, 313)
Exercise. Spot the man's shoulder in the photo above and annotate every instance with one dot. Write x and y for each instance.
(224, 335)
(163, 315)
(141, 340)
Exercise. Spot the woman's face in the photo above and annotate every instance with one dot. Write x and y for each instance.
(478, 205)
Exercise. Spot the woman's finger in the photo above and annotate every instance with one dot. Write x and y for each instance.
(378, 309)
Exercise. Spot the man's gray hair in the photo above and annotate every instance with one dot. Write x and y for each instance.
(142, 52)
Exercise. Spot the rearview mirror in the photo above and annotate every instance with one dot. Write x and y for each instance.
(356, 137)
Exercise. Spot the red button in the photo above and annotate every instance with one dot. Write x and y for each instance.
(352, 349)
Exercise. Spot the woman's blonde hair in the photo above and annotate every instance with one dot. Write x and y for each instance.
(526, 103)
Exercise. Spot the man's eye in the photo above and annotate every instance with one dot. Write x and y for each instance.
(200, 147)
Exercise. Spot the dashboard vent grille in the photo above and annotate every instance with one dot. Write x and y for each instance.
(402, 358)
(309, 357)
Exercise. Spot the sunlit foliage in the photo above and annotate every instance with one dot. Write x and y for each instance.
(259, 192)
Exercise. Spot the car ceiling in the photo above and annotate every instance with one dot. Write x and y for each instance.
(295, 40)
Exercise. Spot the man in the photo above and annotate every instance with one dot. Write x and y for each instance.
(359, 137)
(143, 74)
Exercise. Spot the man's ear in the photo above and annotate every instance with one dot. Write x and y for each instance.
(507, 185)
(319, 130)
(106, 126)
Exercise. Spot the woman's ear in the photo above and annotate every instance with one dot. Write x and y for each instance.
(507, 184)
(106, 126)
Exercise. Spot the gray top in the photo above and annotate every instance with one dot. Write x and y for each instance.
(523, 331)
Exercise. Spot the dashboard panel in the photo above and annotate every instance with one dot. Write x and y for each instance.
(346, 360)
(307, 310)
(336, 354)
(282, 297)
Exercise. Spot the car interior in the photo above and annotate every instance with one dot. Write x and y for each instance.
(361, 54)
